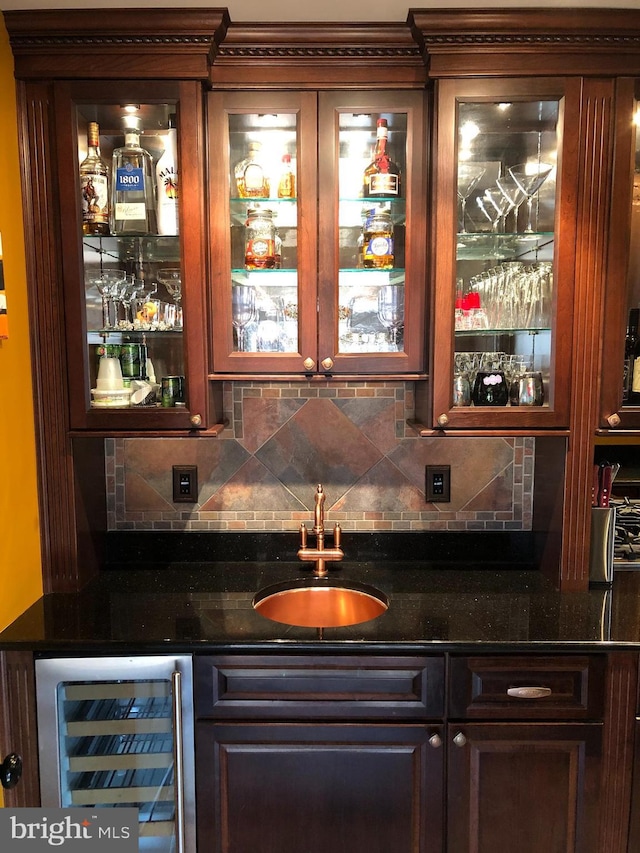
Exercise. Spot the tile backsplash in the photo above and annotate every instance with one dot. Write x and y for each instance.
(283, 438)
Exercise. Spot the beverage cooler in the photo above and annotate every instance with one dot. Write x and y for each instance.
(117, 732)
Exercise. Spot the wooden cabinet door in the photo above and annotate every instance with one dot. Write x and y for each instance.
(533, 787)
(273, 787)
(504, 280)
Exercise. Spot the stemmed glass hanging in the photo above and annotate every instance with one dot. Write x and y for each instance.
(530, 177)
(243, 310)
(391, 310)
(469, 176)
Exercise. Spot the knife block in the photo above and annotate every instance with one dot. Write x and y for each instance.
(603, 529)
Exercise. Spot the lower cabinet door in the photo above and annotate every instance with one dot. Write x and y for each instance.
(361, 788)
(531, 788)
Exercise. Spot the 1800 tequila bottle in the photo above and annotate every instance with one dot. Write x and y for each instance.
(133, 207)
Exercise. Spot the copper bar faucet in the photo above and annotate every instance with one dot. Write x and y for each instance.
(320, 554)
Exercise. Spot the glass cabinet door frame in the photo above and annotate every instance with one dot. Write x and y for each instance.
(317, 234)
(450, 93)
(186, 96)
(411, 358)
(222, 105)
(614, 415)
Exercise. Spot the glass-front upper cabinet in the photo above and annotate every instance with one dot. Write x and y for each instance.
(309, 212)
(125, 262)
(620, 389)
(499, 296)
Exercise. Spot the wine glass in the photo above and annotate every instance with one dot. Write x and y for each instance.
(243, 310)
(391, 310)
(514, 195)
(494, 205)
(469, 176)
(171, 279)
(530, 177)
(108, 285)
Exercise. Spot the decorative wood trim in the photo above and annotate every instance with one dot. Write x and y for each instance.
(76, 43)
(365, 55)
(496, 42)
(18, 727)
(617, 764)
(592, 206)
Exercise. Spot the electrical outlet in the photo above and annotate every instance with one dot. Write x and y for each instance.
(438, 484)
(185, 484)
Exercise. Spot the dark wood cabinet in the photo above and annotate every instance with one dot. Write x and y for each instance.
(313, 304)
(365, 787)
(529, 787)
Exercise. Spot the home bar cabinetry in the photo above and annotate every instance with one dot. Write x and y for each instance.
(427, 79)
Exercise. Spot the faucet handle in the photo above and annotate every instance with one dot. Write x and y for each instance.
(337, 535)
(303, 535)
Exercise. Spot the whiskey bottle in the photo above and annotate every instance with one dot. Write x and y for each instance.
(287, 182)
(133, 203)
(382, 175)
(250, 175)
(94, 186)
(629, 347)
(167, 183)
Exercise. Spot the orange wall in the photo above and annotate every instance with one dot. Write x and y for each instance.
(20, 567)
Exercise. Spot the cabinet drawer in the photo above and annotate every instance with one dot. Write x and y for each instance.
(550, 688)
(286, 687)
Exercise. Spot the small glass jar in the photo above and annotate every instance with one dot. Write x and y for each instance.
(260, 239)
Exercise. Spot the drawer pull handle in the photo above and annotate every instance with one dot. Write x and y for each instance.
(529, 692)
(460, 739)
(435, 741)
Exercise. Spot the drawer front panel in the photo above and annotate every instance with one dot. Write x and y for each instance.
(332, 687)
(536, 687)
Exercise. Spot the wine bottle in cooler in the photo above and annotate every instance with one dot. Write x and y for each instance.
(167, 183)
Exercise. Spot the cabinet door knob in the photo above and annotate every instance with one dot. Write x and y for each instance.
(435, 741)
(443, 420)
(308, 364)
(327, 363)
(11, 770)
(460, 739)
(528, 692)
(613, 420)
(196, 420)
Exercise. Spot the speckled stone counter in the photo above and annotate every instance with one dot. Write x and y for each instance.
(208, 607)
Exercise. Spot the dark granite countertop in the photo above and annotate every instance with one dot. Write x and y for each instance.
(202, 607)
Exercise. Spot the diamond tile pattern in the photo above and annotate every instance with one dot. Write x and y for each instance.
(283, 439)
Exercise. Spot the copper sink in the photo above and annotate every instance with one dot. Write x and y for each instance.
(320, 603)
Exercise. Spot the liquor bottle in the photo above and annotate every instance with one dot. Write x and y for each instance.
(287, 182)
(382, 175)
(634, 395)
(133, 202)
(377, 232)
(94, 186)
(250, 175)
(167, 183)
(629, 347)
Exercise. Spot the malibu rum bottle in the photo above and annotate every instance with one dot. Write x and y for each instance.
(94, 186)
(382, 175)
